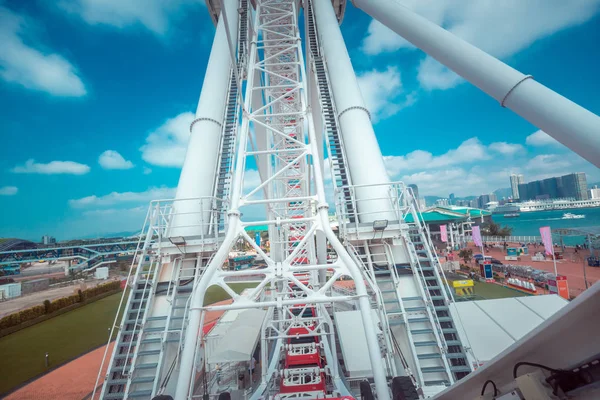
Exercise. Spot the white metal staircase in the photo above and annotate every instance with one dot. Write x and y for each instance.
(130, 331)
(225, 164)
(428, 272)
(336, 155)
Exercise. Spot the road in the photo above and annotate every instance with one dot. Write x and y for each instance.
(36, 299)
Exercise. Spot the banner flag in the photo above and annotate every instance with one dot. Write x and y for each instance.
(444, 233)
(477, 237)
(547, 239)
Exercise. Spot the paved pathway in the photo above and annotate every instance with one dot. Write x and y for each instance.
(75, 380)
(37, 298)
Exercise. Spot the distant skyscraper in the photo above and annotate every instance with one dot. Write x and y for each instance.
(451, 199)
(415, 189)
(574, 185)
(566, 186)
(594, 193)
(48, 239)
(441, 202)
(515, 180)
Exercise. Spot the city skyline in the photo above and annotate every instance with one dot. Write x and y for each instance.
(114, 89)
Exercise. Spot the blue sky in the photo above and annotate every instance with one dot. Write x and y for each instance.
(97, 97)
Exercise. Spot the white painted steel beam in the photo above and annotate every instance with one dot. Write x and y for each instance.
(362, 150)
(198, 173)
(567, 122)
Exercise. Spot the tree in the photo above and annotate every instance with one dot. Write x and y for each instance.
(466, 254)
(494, 229)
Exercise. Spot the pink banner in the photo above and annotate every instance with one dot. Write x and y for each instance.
(444, 233)
(477, 237)
(547, 239)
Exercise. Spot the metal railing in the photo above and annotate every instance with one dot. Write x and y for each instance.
(396, 198)
(202, 223)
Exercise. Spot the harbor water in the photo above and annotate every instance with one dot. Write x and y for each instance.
(529, 223)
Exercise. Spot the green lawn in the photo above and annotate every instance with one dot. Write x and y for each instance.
(66, 337)
(216, 293)
(493, 291)
(63, 337)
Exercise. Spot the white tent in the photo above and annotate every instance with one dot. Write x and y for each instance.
(240, 339)
(491, 326)
(353, 342)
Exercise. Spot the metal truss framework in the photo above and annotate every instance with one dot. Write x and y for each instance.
(93, 253)
(276, 69)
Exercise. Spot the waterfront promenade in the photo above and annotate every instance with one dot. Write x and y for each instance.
(572, 265)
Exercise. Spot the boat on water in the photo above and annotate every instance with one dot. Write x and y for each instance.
(572, 216)
(512, 215)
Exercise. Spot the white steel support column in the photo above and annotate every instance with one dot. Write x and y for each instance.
(293, 148)
(567, 122)
(198, 173)
(362, 150)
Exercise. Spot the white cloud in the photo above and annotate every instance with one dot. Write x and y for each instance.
(51, 168)
(469, 151)
(474, 168)
(382, 92)
(115, 211)
(154, 15)
(381, 39)
(30, 67)
(111, 159)
(499, 28)
(124, 197)
(541, 138)
(8, 190)
(548, 162)
(506, 148)
(166, 146)
(147, 171)
(433, 75)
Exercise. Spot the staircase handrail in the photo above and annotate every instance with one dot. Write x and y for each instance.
(148, 222)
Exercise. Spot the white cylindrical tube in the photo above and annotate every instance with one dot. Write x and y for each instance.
(567, 122)
(362, 150)
(197, 177)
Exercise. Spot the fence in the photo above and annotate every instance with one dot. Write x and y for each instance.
(508, 239)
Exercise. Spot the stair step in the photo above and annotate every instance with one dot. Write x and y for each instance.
(437, 383)
(419, 319)
(449, 330)
(410, 309)
(114, 396)
(429, 356)
(412, 298)
(148, 353)
(453, 342)
(140, 393)
(147, 366)
(460, 368)
(117, 381)
(150, 340)
(421, 331)
(143, 379)
(157, 329)
(425, 343)
(456, 356)
(427, 370)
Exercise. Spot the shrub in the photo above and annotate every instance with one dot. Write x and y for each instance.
(49, 307)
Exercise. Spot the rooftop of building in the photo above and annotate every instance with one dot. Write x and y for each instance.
(450, 214)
